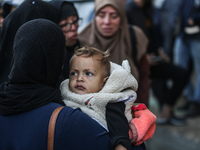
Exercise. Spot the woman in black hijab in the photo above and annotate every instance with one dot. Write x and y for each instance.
(30, 96)
(28, 10)
(69, 22)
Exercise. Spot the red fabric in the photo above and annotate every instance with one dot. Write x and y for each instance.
(139, 107)
(144, 123)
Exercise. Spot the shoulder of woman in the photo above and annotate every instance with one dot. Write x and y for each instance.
(142, 41)
(85, 32)
(139, 33)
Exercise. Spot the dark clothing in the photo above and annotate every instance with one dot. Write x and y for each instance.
(73, 130)
(144, 82)
(190, 9)
(163, 71)
(34, 73)
(66, 9)
(143, 69)
(30, 96)
(34, 9)
(118, 125)
(7, 8)
(26, 96)
(135, 15)
(141, 17)
(165, 22)
(160, 75)
(68, 55)
(187, 54)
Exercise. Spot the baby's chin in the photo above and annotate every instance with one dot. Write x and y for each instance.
(81, 92)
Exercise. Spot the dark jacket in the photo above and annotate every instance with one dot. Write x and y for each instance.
(190, 9)
(73, 130)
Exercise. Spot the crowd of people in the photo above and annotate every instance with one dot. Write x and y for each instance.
(176, 26)
(171, 26)
(102, 75)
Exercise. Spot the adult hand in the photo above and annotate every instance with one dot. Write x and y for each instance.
(191, 22)
(163, 55)
(152, 59)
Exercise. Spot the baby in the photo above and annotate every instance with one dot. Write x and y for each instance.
(94, 82)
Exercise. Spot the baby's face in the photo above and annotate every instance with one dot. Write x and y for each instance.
(86, 75)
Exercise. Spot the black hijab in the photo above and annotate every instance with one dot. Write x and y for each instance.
(39, 49)
(27, 10)
(65, 8)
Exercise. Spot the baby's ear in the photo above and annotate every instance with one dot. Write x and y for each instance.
(126, 66)
(105, 79)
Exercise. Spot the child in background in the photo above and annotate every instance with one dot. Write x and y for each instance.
(103, 90)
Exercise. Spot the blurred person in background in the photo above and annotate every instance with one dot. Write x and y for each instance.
(109, 30)
(140, 13)
(187, 54)
(5, 8)
(8, 7)
(165, 22)
(1, 17)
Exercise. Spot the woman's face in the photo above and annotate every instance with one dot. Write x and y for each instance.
(107, 21)
(69, 27)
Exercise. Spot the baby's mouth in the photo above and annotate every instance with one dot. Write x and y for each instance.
(79, 87)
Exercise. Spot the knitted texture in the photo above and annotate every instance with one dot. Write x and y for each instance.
(120, 86)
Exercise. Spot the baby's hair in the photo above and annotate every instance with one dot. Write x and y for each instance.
(89, 51)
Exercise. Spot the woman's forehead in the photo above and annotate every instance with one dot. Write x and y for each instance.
(109, 8)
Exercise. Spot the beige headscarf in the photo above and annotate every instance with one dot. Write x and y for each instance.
(120, 44)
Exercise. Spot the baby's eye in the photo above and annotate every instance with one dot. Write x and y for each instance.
(89, 74)
(73, 74)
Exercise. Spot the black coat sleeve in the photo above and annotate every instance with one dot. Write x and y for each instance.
(118, 125)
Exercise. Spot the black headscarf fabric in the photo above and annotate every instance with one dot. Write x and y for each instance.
(7, 8)
(39, 49)
(66, 9)
(26, 11)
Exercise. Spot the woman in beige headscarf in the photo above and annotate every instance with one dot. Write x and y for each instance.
(110, 30)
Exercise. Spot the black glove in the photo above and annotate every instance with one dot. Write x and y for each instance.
(118, 125)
